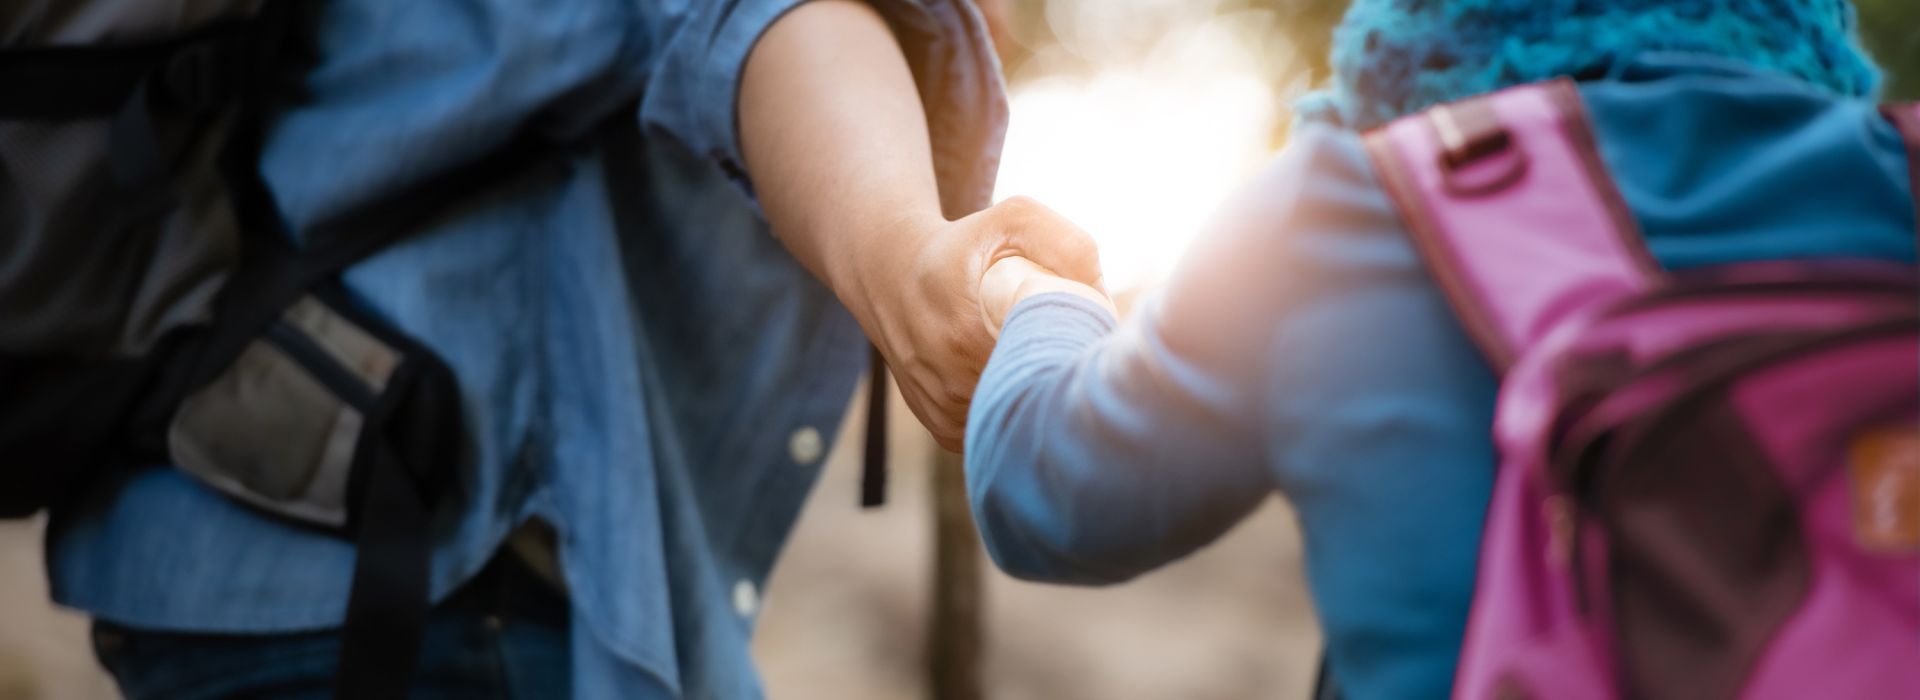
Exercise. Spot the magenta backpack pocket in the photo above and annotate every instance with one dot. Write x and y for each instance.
(1710, 482)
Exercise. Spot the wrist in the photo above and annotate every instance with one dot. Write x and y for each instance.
(1047, 284)
(868, 260)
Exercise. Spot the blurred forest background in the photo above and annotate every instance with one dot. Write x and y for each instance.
(1891, 29)
(876, 605)
(1293, 35)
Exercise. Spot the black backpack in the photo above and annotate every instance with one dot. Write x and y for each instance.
(153, 308)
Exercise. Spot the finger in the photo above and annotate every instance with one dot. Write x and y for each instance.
(955, 442)
(1007, 283)
(1052, 242)
(941, 407)
(997, 288)
(1018, 265)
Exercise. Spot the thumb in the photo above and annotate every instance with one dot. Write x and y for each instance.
(1051, 241)
(1000, 289)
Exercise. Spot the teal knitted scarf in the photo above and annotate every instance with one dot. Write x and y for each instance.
(1397, 57)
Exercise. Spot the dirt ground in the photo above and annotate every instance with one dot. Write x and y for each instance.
(43, 650)
(845, 615)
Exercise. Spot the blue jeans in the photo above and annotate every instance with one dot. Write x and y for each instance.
(502, 635)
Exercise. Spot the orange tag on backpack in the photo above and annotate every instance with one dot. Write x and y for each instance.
(1884, 467)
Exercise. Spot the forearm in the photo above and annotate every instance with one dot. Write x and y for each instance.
(1023, 470)
(836, 143)
(835, 139)
(1086, 463)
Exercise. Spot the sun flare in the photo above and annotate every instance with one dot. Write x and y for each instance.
(1140, 155)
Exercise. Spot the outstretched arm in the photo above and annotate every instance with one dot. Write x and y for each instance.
(1096, 451)
(835, 141)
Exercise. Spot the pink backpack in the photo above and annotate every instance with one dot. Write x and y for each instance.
(1710, 481)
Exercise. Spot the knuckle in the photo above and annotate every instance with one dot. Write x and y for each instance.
(1021, 204)
(1021, 211)
(1080, 243)
(958, 395)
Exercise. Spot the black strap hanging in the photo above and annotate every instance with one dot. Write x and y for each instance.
(873, 468)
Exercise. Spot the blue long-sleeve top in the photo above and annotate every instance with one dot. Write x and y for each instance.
(1302, 348)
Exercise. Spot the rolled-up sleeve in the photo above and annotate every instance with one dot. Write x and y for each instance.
(701, 50)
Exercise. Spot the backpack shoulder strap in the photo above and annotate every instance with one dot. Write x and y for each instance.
(1512, 210)
(1906, 118)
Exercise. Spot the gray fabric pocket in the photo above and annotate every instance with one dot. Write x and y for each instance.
(281, 427)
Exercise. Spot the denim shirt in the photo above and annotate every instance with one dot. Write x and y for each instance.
(642, 365)
(1302, 348)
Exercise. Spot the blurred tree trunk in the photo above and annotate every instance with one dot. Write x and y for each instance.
(956, 647)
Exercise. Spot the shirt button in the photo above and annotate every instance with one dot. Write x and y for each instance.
(805, 446)
(745, 598)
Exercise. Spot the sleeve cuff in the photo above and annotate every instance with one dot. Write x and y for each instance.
(696, 90)
(1059, 315)
(696, 93)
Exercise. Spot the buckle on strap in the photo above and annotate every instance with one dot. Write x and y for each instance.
(1477, 154)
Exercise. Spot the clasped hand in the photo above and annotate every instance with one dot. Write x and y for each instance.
(936, 293)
